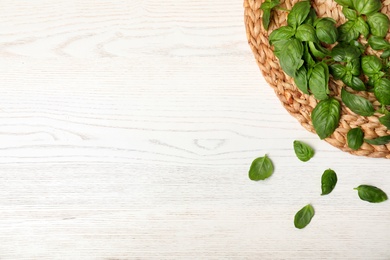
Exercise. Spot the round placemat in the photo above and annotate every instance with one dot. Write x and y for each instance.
(295, 102)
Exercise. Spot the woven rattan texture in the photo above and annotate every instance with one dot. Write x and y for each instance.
(298, 104)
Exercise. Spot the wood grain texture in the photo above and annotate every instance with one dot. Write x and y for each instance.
(126, 132)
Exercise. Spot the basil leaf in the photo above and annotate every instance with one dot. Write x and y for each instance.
(367, 6)
(317, 51)
(261, 168)
(350, 14)
(345, 53)
(328, 181)
(267, 7)
(301, 80)
(358, 45)
(371, 65)
(353, 82)
(354, 66)
(382, 91)
(303, 151)
(312, 16)
(318, 81)
(282, 33)
(337, 70)
(385, 120)
(385, 54)
(306, 33)
(303, 216)
(344, 2)
(326, 30)
(348, 31)
(379, 24)
(298, 14)
(326, 117)
(307, 56)
(371, 194)
(280, 45)
(362, 27)
(355, 138)
(291, 57)
(378, 43)
(357, 104)
(379, 140)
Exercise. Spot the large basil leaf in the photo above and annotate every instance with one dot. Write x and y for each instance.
(337, 70)
(303, 216)
(355, 138)
(379, 24)
(282, 33)
(326, 30)
(378, 43)
(318, 81)
(301, 80)
(280, 45)
(306, 33)
(367, 6)
(350, 14)
(298, 13)
(348, 31)
(344, 2)
(382, 91)
(291, 57)
(303, 151)
(371, 194)
(345, 52)
(261, 168)
(328, 181)
(371, 65)
(354, 82)
(362, 27)
(326, 117)
(385, 120)
(357, 104)
(379, 140)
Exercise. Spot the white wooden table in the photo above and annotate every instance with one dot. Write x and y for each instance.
(127, 129)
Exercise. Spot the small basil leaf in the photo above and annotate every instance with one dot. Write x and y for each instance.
(261, 168)
(306, 33)
(367, 6)
(317, 50)
(326, 30)
(385, 120)
(355, 138)
(353, 82)
(298, 13)
(325, 117)
(379, 24)
(328, 181)
(385, 54)
(371, 65)
(282, 33)
(307, 56)
(266, 18)
(358, 45)
(350, 14)
(291, 57)
(311, 17)
(301, 80)
(303, 151)
(337, 70)
(371, 194)
(362, 27)
(378, 43)
(318, 81)
(348, 31)
(382, 91)
(303, 216)
(354, 66)
(344, 53)
(344, 2)
(357, 104)
(379, 140)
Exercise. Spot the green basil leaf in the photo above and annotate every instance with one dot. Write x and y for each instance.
(348, 31)
(318, 81)
(311, 17)
(357, 104)
(317, 51)
(280, 45)
(344, 3)
(385, 54)
(326, 30)
(301, 80)
(355, 138)
(379, 24)
(367, 6)
(306, 33)
(282, 33)
(362, 27)
(385, 120)
(303, 216)
(379, 140)
(360, 47)
(371, 65)
(266, 18)
(261, 169)
(303, 151)
(307, 56)
(371, 194)
(344, 53)
(353, 82)
(354, 66)
(337, 70)
(326, 117)
(328, 181)
(291, 57)
(378, 43)
(298, 13)
(382, 91)
(350, 14)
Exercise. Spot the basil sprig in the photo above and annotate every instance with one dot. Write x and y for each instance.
(371, 193)
(267, 6)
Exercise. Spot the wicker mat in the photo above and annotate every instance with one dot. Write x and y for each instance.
(298, 104)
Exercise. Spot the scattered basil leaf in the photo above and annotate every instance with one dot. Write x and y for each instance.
(303, 216)
(385, 120)
(298, 13)
(371, 194)
(357, 104)
(318, 81)
(382, 91)
(379, 140)
(350, 14)
(326, 30)
(337, 70)
(379, 24)
(346, 3)
(328, 181)
(325, 117)
(261, 168)
(303, 151)
(301, 80)
(367, 6)
(378, 43)
(282, 33)
(348, 31)
(355, 138)
(306, 33)
(371, 65)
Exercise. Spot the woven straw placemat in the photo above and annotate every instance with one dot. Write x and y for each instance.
(298, 104)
